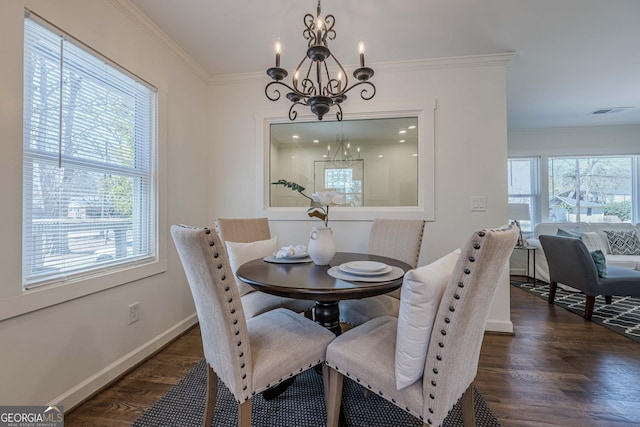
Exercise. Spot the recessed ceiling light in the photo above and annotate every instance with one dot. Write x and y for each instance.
(403, 131)
(380, 155)
(402, 140)
(295, 136)
(414, 155)
(315, 141)
(412, 127)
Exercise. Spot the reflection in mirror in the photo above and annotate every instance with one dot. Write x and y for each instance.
(372, 162)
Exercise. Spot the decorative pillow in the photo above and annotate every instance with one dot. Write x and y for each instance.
(601, 263)
(574, 232)
(239, 253)
(623, 242)
(422, 290)
(593, 241)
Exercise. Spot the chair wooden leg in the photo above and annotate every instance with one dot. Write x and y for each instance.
(552, 291)
(210, 400)
(325, 381)
(335, 398)
(468, 414)
(244, 414)
(588, 307)
(607, 299)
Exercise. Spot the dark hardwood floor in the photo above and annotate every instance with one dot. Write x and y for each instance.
(558, 370)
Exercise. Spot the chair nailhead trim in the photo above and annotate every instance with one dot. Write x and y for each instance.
(467, 271)
(481, 233)
(429, 421)
(226, 289)
(241, 354)
(431, 410)
(435, 371)
(211, 244)
(216, 255)
(439, 357)
(433, 383)
(207, 231)
(447, 320)
(452, 309)
(441, 344)
(472, 259)
(476, 246)
(456, 296)
(443, 332)
(460, 285)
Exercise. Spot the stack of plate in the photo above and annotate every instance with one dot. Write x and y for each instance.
(365, 268)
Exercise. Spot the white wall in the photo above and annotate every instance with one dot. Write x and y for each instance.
(61, 353)
(470, 154)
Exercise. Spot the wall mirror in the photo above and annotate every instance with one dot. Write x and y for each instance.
(372, 162)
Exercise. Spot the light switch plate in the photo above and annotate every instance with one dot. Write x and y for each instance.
(478, 204)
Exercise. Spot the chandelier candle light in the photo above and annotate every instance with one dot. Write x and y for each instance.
(317, 89)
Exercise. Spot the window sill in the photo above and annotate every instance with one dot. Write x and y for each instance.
(48, 296)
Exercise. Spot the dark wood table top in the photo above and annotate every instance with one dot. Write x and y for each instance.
(310, 281)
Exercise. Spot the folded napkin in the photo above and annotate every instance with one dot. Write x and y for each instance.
(290, 251)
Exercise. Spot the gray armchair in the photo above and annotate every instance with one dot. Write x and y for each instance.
(249, 356)
(571, 264)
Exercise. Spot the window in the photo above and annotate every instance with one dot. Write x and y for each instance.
(89, 195)
(523, 187)
(591, 189)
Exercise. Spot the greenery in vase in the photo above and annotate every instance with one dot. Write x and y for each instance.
(320, 200)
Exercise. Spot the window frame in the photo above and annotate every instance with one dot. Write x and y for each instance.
(100, 279)
(634, 160)
(535, 196)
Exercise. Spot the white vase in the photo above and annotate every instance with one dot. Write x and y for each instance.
(321, 246)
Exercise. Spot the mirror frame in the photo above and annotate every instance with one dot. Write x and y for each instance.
(425, 113)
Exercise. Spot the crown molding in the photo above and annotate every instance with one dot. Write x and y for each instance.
(470, 61)
(141, 20)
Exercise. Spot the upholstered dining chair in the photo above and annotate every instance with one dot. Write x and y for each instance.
(394, 238)
(246, 239)
(428, 385)
(249, 356)
(571, 264)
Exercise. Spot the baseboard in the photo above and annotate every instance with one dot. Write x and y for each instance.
(518, 272)
(498, 326)
(111, 372)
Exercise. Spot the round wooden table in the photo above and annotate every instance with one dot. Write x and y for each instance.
(310, 281)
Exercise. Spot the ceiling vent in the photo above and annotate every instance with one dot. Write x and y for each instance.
(612, 110)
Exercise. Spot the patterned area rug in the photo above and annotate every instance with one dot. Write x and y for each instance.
(621, 316)
(301, 405)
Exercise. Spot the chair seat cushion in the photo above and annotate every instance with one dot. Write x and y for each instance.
(358, 311)
(621, 282)
(270, 333)
(422, 291)
(256, 303)
(366, 353)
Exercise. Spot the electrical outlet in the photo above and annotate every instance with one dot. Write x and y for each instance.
(134, 312)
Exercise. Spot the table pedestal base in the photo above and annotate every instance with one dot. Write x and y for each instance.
(327, 314)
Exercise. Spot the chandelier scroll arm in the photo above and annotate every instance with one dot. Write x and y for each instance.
(364, 91)
(276, 92)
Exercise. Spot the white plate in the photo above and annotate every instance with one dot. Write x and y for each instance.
(296, 256)
(365, 266)
(345, 268)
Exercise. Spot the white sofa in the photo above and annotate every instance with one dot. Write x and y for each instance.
(625, 261)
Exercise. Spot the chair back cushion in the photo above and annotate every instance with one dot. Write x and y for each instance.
(239, 253)
(422, 291)
(454, 348)
(397, 238)
(242, 230)
(570, 263)
(218, 305)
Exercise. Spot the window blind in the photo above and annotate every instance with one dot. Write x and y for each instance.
(89, 196)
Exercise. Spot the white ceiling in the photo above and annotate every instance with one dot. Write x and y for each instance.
(572, 56)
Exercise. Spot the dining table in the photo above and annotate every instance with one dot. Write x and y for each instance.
(327, 285)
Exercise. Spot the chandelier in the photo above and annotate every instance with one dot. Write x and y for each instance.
(312, 84)
(342, 157)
